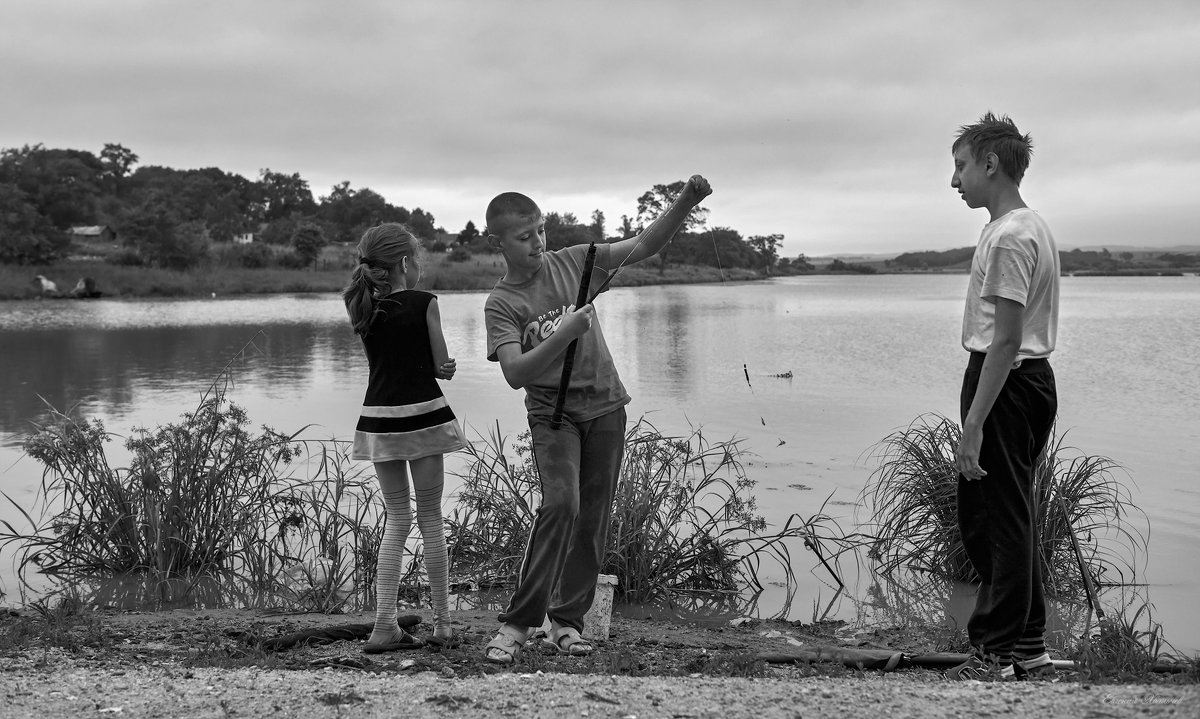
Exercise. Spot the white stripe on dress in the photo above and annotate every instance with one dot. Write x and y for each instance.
(439, 439)
(408, 410)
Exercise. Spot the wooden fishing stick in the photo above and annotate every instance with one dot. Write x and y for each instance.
(815, 547)
(1088, 588)
(581, 299)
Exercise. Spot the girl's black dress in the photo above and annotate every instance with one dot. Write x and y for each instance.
(404, 415)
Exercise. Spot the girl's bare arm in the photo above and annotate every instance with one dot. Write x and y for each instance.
(442, 361)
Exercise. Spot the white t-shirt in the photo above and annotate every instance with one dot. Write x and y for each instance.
(1016, 259)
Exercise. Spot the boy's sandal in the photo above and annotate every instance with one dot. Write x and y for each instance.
(403, 640)
(566, 640)
(506, 646)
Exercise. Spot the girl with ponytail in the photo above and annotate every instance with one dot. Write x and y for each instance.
(405, 425)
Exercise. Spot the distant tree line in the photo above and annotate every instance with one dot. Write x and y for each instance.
(692, 245)
(170, 218)
(947, 259)
(1077, 260)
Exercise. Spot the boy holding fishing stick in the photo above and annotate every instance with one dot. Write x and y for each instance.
(1009, 400)
(531, 320)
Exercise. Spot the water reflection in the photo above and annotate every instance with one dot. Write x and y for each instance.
(680, 351)
(110, 372)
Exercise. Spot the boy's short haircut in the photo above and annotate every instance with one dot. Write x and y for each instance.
(1001, 136)
(509, 204)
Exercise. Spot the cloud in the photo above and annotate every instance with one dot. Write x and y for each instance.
(830, 123)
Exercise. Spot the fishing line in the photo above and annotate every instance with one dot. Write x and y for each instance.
(758, 407)
(720, 270)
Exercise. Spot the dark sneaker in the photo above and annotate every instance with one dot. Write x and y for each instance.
(1040, 668)
(978, 669)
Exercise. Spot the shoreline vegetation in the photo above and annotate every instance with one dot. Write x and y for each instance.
(439, 274)
(74, 223)
(442, 272)
(213, 516)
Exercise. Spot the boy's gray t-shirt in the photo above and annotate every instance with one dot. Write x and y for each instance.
(527, 313)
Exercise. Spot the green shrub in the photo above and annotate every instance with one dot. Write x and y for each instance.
(291, 261)
(128, 257)
(308, 241)
(33, 248)
(253, 256)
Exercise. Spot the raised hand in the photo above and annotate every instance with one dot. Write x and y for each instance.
(696, 189)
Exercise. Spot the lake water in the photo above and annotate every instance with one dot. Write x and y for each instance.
(867, 355)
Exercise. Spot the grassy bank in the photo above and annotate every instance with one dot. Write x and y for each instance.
(103, 638)
(210, 513)
(330, 273)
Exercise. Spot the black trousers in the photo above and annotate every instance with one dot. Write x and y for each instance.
(996, 513)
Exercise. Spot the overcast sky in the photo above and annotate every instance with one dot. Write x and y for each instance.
(827, 122)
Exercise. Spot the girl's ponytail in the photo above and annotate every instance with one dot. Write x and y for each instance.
(381, 248)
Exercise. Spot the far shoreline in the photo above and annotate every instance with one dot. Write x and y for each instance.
(479, 274)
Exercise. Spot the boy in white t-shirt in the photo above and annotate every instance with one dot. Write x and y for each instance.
(1008, 401)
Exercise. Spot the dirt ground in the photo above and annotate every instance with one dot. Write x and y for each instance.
(212, 663)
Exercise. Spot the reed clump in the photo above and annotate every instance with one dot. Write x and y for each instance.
(209, 510)
(184, 503)
(205, 508)
(914, 512)
(684, 523)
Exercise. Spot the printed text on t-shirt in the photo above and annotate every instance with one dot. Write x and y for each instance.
(543, 326)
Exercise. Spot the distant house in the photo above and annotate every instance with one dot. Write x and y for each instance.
(101, 233)
(243, 238)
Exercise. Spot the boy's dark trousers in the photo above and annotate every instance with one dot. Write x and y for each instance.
(579, 464)
(996, 513)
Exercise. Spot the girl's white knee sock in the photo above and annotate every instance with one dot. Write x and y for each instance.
(391, 556)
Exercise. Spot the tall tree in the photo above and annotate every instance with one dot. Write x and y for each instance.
(655, 201)
(469, 233)
(348, 212)
(117, 161)
(26, 237)
(598, 225)
(63, 185)
(421, 223)
(283, 195)
(767, 247)
(564, 230)
(626, 226)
